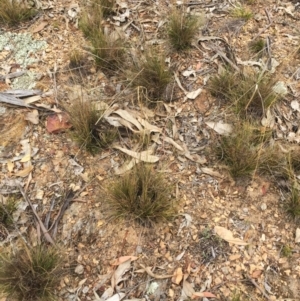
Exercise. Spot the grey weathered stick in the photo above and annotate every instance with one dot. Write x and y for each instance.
(258, 287)
(44, 230)
(10, 99)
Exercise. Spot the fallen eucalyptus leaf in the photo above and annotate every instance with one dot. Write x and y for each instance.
(220, 127)
(228, 236)
(193, 94)
(144, 156)
(33, 117)
(297, 237)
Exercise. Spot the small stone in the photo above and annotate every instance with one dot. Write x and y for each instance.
(79, 269)
(225, 270)
(139, 250)
(85, 289)
(263, 206)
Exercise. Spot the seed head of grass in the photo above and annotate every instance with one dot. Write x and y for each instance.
(240, 150)
(89, 128)
(153, 75)
(182, 29)
(13, 12)
(142, 194)
(250, 94)
(31, 274)
(241, 12)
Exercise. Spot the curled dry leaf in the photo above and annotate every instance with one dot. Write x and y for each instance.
(10, 165)
(150, 273)
(203, 295)
(178, 257)
(26, 149)
(144, 156)
(114, 121)
(228, 236)
(148, 126)
(125, 167)
(171, 141)
(117, 277)
(33, 117)
(123, 259)
(177, 276)
(220, 127)
(40, 27)
(268, 120)
(116, 297)
(211, 172)
(196, 158)
(187, 290)
(193, 94)
(25, 172)
(125, 115)
(297, 237)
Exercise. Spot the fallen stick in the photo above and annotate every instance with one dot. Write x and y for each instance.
(150, 273)
(44, 230)
(258, 287)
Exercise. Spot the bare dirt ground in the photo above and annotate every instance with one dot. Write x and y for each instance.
(182, 255)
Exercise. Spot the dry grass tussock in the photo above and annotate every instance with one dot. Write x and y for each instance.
(13, 12)
(152, 75)
(108, 48)
(250, 95)
(142, 194)
(182, 29)
(89, 128)
(31, 274)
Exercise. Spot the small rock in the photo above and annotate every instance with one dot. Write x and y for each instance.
(263, 206)
(85, 289)
(79, 269)
(139, 250)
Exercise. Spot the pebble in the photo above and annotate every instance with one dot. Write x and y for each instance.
(85, 289)
(263, 206)
(139, 250)
(79, 269)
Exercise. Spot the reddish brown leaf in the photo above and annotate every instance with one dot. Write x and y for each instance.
(58, 123)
